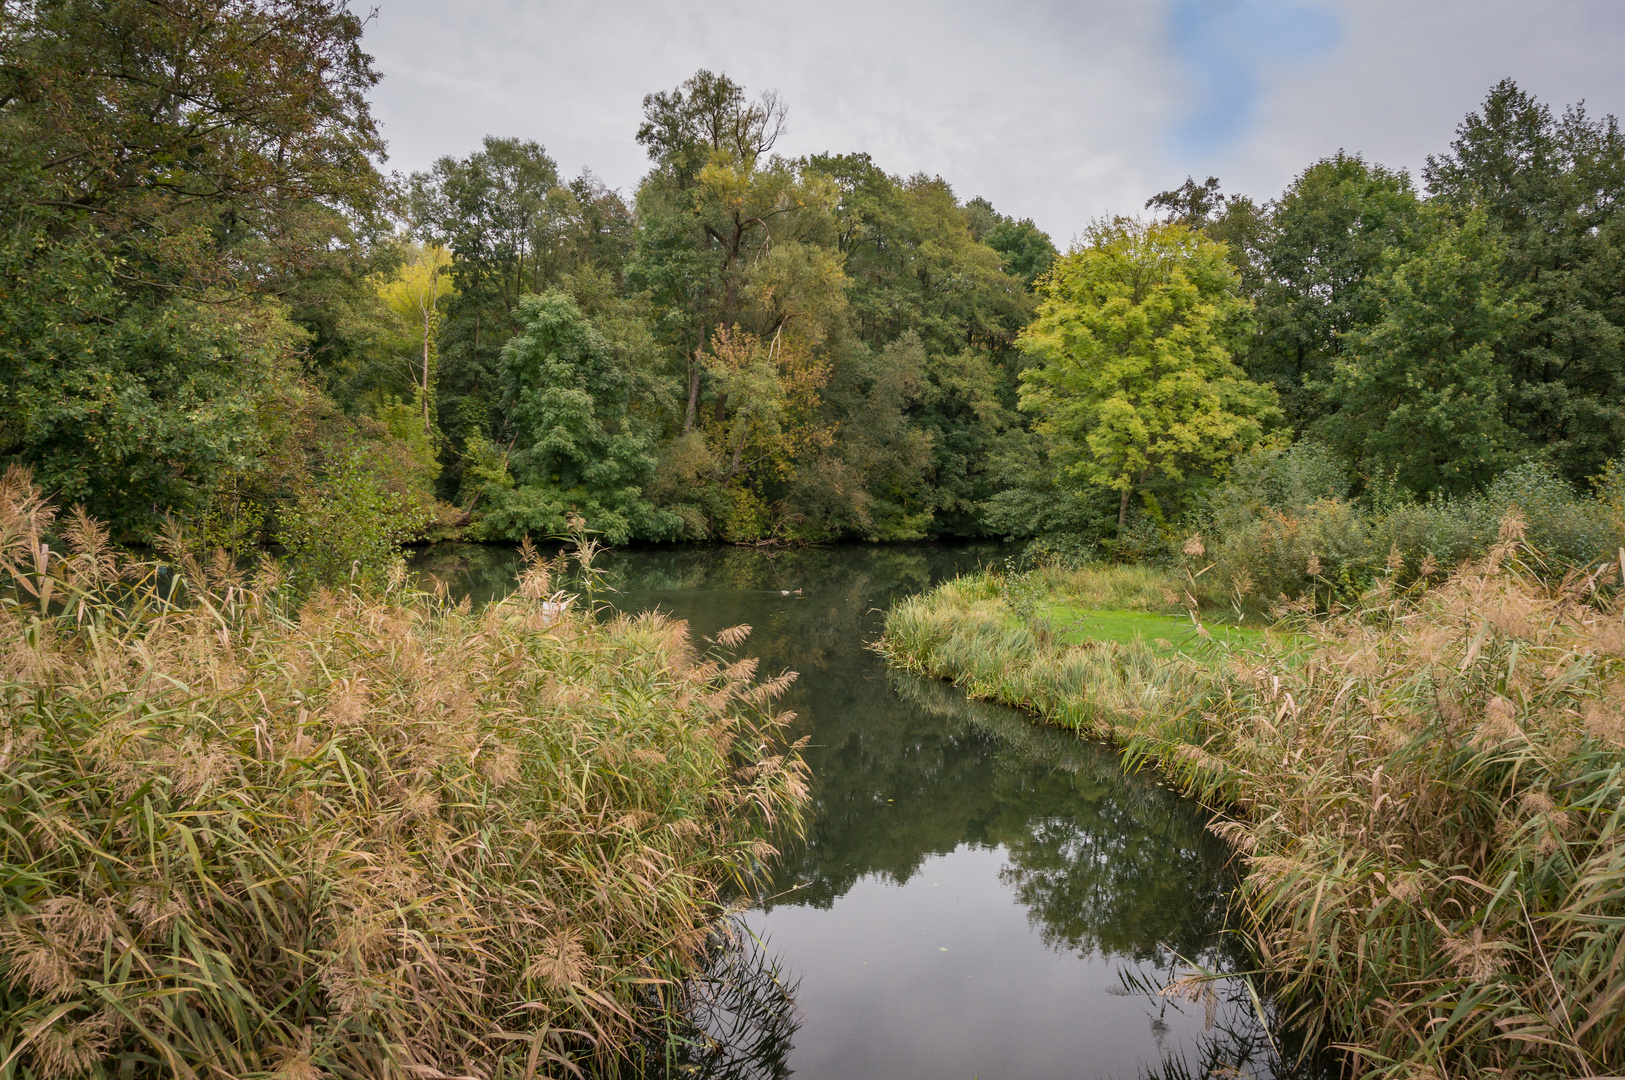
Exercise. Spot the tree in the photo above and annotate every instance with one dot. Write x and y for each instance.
(1421, 396)
(1133, 374)
(417, 294)
(874, 478)
(1190, 204)
(713, 207)
(576, 445)
(165, 170)
(918, 268)
(1323, 239)
(488, 209)
(1554, 190)
(705, 116)
(1028, 251)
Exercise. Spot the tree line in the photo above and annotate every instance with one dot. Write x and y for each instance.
(216, 309)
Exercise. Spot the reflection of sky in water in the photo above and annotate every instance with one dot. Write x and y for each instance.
(947, 976)
(972, 886)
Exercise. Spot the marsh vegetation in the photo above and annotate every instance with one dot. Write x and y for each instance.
(1425, 785)
(358, 833)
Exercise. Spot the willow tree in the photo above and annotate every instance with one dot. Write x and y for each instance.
(1134, 377)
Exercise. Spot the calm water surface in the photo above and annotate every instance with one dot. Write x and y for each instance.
(977, 896)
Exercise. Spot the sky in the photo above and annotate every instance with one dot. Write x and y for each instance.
(1058, 111)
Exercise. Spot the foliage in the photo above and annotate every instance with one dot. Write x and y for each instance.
(374, 836)
(800, 349)
(1281, 526)
(921, 265)
(1420, 396)
(577, 446)
(1028, 251)
(1133, 373)
(417, 294)
(164, 170)
(874, 479)
(1553, 190)
(1325, 240)
(349, 526)
(513, 229)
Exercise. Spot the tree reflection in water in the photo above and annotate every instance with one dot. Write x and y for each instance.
(1105, 865)
(1103, 862)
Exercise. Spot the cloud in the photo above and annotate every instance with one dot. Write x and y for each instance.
(1222, 45)
(1061, 110)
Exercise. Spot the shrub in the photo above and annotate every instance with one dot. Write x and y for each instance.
(350, 526)
(1271, 546)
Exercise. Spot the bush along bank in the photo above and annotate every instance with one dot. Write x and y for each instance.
(372, 835)
(1428, 789)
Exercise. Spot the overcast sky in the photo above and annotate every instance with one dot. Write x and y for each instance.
(1056, 111)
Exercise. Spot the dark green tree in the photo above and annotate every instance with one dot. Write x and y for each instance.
(576, 444)
(1322, 241)
(1554, 188)
(1420, 398)
(917, 267)
(1028, 251)
(1192, 205)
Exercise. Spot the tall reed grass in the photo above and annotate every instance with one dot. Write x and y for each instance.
(1428, 788)
(370, 835)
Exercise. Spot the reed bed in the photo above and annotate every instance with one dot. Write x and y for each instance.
(1428, 789)
(361, 835)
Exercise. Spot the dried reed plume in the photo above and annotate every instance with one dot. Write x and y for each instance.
(373, 835)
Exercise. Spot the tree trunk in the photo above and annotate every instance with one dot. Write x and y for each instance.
(694, 383)
(428, 429)
(1122, 512)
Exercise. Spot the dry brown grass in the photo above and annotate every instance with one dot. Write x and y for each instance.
(376, 835)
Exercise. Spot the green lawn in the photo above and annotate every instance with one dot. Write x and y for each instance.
(1074, 625)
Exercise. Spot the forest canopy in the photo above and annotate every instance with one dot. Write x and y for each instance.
(216, 309)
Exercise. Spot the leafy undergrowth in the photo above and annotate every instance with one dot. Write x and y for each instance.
(376, 835)
(1428, 787)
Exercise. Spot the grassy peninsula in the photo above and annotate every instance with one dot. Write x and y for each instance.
(351, 833)
(1427, 786)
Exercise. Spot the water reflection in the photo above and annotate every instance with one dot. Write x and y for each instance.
(739, 1017)
(976, 895)
(1104, 863)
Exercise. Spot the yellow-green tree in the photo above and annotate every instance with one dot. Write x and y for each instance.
(417, 293)
(1133, 375)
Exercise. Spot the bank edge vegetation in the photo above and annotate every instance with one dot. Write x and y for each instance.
(362, 834)
(1427, 787)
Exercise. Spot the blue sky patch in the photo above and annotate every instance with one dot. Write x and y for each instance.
(1223, 46)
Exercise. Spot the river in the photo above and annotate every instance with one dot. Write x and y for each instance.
(976, 895)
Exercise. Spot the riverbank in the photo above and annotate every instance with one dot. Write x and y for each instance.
(1426, 788)
(373, 834)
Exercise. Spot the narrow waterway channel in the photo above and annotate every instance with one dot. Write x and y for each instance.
(976, 895)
